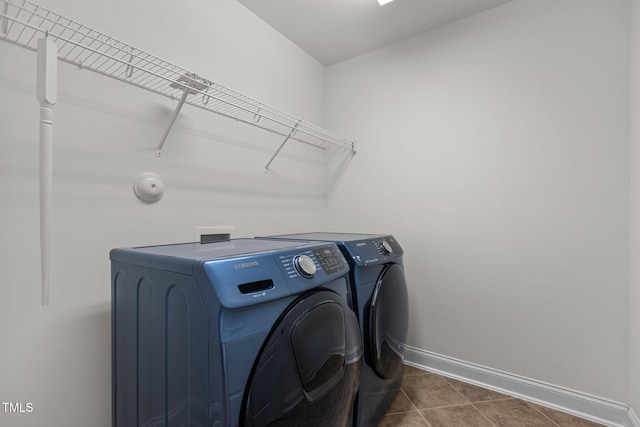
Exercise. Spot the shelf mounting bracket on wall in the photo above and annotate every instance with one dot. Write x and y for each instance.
(190, 84)
(293, 132)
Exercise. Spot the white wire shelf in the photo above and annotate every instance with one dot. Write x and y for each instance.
(22, 23)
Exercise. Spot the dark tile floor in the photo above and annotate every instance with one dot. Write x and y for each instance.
(431, 400)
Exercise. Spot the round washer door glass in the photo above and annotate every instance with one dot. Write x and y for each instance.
(308, 370)
(388, 322)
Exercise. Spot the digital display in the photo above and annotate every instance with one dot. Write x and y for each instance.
(330, 261)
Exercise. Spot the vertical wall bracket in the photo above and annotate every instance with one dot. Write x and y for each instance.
(46, 93)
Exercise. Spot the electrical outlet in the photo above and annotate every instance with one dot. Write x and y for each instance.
(206, 234)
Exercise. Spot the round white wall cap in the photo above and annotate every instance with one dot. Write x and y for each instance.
(148, 187)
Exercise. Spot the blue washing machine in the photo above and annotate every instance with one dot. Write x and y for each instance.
(381, 300)
(243, 332)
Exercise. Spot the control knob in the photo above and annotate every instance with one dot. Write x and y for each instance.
(386, 247)
(305, 266)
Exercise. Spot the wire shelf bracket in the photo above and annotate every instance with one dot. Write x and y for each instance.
(22, 22)
(293, 132)
(189, 86)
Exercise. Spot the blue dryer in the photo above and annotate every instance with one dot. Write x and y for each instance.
(243, 332)
(381, 299)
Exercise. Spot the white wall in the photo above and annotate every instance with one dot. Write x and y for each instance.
(59, 357)
(634, 295)
(496, 150)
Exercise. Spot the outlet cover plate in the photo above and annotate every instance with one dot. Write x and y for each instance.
(199, 231)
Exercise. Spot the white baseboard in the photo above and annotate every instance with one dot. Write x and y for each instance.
(582, 405)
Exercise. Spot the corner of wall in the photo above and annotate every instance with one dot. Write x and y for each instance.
(634, 226)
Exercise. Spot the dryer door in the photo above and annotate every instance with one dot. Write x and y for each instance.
(308, 370)
(388, 322)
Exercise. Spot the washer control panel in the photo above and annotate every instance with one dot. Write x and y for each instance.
(330, 259)
(308, 263)
(304, 265)
(256, 278)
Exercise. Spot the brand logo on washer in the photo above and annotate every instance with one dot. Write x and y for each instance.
(246, 265)
(361, 244)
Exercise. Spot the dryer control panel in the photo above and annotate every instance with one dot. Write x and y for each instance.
(379, 250)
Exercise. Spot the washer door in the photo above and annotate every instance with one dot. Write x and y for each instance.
(308, 370)
(388, 322)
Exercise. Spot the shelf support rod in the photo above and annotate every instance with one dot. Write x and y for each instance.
(4, 20)
(183, 98)
(293, 132)
(190, 84)
(46, 93)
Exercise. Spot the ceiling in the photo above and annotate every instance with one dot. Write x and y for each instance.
(334, 30)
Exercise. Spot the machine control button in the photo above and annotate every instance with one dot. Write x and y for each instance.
(386, 247)
(305, 266)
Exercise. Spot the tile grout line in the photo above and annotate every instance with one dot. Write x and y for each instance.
(543, 414)
(413, 404)
(416, 408)
(467, 400)
(454, 389)
(425, 420)
(471, 403)
(493, 400)
(476, 401)
(483, 415)
(409, 399)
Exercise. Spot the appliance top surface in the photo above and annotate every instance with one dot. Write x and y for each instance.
(242, 272)
(217, 250)
(331, 237)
